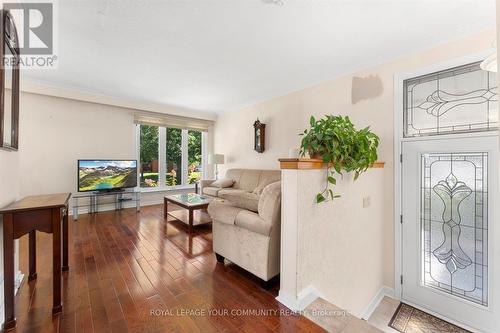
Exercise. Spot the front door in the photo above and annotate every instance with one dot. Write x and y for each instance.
(450, 229)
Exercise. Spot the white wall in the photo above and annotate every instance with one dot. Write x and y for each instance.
(338, 245)
(55, 132)
(370, 103)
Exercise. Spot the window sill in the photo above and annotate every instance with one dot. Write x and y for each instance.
(166, 189)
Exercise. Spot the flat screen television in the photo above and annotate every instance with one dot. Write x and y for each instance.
(106, 175)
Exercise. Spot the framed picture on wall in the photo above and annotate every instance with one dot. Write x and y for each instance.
(9, 84)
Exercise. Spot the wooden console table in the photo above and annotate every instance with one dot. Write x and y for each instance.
(26, 216)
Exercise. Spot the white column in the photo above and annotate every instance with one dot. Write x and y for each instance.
(204, 155)
(162, 156)
(185, 159)
(289, 240)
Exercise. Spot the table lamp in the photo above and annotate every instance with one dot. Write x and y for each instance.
(216, 159)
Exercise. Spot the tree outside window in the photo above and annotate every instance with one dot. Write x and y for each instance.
(172, 155)
(194, 156)
(148, 156)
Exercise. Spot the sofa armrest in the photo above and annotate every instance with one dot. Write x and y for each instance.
(223, 212)
(270, 203)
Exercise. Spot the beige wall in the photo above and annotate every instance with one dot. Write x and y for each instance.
(288, 115)
(55, 132)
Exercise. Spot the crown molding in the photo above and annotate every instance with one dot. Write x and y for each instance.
(34, 87)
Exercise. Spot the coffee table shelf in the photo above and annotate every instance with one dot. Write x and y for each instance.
(199, 216)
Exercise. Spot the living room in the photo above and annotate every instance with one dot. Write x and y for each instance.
(185, 93)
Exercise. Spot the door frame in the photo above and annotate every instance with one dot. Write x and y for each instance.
(399, 139)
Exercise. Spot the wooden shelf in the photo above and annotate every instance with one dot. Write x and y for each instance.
(311, 163)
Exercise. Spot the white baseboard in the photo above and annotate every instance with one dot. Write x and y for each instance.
(384, 291)
(305, 297)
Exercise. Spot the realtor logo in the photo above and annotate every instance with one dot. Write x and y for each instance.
(34, 23)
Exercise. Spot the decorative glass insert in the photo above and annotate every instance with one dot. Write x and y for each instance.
(461, 99)
(454, 224)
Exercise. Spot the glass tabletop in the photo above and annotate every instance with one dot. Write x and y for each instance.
(190, 199)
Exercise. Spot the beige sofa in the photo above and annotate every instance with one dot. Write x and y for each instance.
(247, 187)
(247, 236)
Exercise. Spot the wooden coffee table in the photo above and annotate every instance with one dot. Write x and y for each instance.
(194, 212)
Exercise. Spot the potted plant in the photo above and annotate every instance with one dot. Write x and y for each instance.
(336, 141)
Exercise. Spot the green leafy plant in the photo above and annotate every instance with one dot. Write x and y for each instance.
(336, 141)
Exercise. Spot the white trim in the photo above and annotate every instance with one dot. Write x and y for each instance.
(309, 294)
(305, 297)
(398, 138)
(166, 188)
(204, 155)
(185, 157)
(138, 152)
(162, 157)
(370, 308)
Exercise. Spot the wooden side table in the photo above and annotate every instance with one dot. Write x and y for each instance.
(43, 213)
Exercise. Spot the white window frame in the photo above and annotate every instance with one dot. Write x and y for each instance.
(162, 158)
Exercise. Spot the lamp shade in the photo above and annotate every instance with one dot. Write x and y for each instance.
(215, 159)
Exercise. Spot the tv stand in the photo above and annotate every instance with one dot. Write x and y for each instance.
(92, 200)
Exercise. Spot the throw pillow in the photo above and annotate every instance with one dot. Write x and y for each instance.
(223, 183)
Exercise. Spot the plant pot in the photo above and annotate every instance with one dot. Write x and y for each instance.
(315, 155)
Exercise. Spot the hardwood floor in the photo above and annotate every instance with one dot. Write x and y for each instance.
(135, 273)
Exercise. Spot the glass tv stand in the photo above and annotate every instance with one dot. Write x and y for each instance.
(92, 200)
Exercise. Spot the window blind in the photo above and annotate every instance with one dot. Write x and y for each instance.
(171, 121)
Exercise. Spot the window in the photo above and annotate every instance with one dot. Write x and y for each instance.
(173, 157)
(149, 156)
(457, 100)
(169, 156)
(194, 156)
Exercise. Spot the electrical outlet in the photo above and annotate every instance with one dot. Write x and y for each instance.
(366, 202)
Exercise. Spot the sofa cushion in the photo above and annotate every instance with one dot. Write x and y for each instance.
(223, 183)
(267, 177)
(253, 222)
(240, 198)
(234, 174)
(249, 180)
(223, 212)
(209, 190)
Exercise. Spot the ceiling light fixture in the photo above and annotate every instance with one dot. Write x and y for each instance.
(490, 64)
(274, 2)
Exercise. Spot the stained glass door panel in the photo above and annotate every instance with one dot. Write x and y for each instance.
(454, 224)
(448, 233)
(457, 100)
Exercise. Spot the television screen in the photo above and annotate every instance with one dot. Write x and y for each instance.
(102, 175)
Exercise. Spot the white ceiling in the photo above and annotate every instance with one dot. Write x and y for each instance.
(219, 55)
